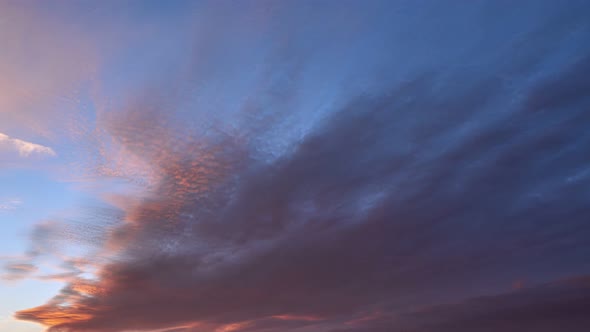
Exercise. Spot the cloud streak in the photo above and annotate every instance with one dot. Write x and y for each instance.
(547, 307)
(24, 148)
(9, 204)
(16, 271)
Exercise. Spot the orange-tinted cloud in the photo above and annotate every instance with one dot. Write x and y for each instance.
(18, 271)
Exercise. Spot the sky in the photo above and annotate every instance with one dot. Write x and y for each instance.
(294, 166)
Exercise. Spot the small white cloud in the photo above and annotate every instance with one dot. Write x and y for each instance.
(24, 148)
(10, 204)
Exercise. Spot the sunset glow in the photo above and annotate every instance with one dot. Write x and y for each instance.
(294, 166)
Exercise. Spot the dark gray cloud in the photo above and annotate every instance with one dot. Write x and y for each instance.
(548, 307)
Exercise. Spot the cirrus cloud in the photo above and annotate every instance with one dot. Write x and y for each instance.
(9, 204)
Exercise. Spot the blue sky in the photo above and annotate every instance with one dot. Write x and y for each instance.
(303, 166)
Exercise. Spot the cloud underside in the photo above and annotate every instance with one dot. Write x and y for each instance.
(398, 211)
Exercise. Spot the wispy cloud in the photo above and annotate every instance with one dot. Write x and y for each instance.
(24, 148)
(9, 204)
(17, 271)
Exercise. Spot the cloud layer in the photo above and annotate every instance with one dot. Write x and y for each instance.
(416, 203)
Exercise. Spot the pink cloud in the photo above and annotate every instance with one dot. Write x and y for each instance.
(42, 64)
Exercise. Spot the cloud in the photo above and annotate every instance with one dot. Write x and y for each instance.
(438, 188)
(545, 308)
(24, 148)
(20, 268)
(43, 65)
(10, 204)
(339, 226)
(18, 271)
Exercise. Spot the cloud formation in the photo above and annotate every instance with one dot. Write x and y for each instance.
(24, 148)
(447, 185)
(9, 204)
(16, 271)
(43, 64)
(544, 308)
